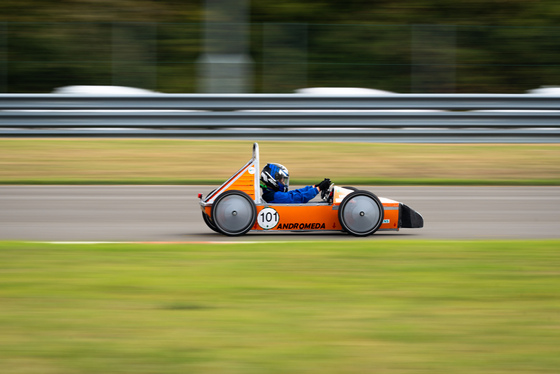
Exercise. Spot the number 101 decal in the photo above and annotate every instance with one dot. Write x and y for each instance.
(268, 218)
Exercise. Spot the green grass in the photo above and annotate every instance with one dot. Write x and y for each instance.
(173, 161)
(371, 306)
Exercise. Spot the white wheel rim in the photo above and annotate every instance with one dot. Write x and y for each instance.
(233, 214)
(361, 214)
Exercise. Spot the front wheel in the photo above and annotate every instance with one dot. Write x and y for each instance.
(234, 213)
(361, 213)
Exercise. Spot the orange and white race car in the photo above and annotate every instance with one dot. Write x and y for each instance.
(236, 207)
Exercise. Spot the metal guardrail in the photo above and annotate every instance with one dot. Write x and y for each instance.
(280, 101)
(401, 117)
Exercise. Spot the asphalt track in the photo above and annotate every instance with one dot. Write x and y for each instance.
(172, 214)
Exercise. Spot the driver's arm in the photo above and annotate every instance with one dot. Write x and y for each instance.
(299, 196)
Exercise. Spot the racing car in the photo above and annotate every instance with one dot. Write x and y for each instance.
(237, 207)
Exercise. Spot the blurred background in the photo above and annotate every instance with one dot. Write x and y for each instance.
(265, 46)
(397, 306)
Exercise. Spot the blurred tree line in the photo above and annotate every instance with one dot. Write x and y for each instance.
(396, 45)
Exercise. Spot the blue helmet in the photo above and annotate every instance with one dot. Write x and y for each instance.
(275, 177)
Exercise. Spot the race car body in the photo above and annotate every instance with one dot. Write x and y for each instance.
(237, 207)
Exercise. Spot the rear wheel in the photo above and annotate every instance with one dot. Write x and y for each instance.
(361, 213)
(234, 213)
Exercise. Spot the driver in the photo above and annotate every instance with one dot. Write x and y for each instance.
(275, 181)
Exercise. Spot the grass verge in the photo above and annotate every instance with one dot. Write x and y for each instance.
(329, 307)
(172, 161)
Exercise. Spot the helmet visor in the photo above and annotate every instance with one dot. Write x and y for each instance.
(283, 179)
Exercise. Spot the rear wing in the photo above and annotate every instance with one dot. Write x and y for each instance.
(247, 179)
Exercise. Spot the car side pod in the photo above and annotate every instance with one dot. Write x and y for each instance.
(409, 218)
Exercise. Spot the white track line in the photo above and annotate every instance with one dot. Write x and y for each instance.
(193, 242)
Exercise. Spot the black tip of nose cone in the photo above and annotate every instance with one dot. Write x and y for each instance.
(409, 218)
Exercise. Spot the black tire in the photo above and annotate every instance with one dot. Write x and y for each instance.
(361, 213)
(352, 189)
(234, 213)
(208, 221)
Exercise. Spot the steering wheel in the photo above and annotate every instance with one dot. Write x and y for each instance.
(326, 194)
